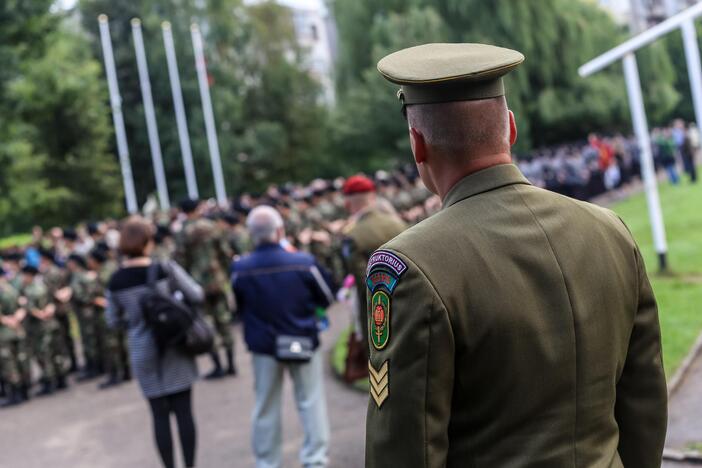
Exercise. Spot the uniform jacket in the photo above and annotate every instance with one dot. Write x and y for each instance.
(174, 371)
(368, 232)
(277, 293)
(203, 251)
(518, 328)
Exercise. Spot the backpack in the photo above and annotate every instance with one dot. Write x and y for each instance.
(173, 322)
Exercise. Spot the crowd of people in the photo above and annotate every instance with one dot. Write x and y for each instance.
(584, 170)
(69, 300)
(61, 277)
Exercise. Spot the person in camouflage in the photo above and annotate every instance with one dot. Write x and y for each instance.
(13, 354)
(163, 240)
(56, 278)
(43, 331)
(202, 249)
(369, 227)
(114, 341)
(83, 294)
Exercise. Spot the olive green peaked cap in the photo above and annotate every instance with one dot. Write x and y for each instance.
(433, 73)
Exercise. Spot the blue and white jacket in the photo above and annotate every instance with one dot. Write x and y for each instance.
(277, 293)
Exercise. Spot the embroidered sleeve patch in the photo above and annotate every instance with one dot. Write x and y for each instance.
(387, 260)
(381, 278)
(379, 322)
(379, 383)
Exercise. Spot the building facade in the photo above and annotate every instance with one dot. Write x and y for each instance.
(642, 14)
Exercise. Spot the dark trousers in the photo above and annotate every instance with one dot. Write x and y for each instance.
(161, 409)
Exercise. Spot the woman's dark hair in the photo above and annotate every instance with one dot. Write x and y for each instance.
(135, 234)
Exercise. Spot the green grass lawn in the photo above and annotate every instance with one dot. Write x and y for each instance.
(680, 293)
(17, 239)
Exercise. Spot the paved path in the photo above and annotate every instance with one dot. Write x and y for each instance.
(685, 413)
(87, 428)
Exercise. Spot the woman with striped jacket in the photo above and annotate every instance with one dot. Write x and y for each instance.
(165, 379)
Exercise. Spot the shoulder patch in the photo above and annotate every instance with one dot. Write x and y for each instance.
(386, 259)
(379, 322)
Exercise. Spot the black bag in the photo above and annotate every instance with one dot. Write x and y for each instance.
(293, 348)
(173, 323)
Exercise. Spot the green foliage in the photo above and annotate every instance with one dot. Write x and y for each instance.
(270, 122)
(551, 102)
(54, 128)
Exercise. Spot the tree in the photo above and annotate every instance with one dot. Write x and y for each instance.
(269, 117)
(551, 102)
(54, 126)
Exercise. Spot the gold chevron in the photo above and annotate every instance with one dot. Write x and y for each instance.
(379, 383)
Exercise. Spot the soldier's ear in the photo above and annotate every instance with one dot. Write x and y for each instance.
(419, 146)
(512, 129)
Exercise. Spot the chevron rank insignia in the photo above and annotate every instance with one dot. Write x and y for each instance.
(379, 383)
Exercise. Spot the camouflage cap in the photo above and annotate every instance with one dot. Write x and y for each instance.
(434, 73)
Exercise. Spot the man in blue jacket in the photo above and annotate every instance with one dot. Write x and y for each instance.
(277, 294)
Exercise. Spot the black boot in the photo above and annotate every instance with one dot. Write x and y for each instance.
(14, 397)
(231, 367)
(127, 374)
(72, 355)
(88, 371)
(112, 381)
(217, 372)
(61, 382)
(24, 392)
(3, 392)
(47, 388)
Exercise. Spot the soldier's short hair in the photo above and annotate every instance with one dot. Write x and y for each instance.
(135, 234)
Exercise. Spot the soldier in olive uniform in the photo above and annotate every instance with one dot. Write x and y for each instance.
(516, 327)
(13, 353)
(368, 229)
(202, 249)
(164, 247)
(56, 279)
(43, 331)
(84, 290)
(113, 339)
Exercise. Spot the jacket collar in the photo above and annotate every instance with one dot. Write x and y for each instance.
(483, 181)
(269, 246)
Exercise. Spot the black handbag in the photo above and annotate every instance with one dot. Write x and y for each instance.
(173, 322)
(290, 348)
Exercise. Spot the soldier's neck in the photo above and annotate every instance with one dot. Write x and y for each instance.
(449, 175)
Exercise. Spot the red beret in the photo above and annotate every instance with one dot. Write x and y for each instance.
(358, 184)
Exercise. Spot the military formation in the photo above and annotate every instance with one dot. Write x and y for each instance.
(53, 291)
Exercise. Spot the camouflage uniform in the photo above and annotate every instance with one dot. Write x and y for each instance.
(56, 278)
(13, 354)
(202, 249)
(85, 290)
(44, 336)
(115, 343)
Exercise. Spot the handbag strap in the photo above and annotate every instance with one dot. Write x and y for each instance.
(151, 275)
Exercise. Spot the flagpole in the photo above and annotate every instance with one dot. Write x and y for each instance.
(117, 118)
(150, 115)
(181, 120)
(212, 142)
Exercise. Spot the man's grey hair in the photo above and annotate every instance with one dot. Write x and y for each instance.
(263, 224)
(464, 127)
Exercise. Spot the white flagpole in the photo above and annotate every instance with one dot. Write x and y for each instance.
(209, 115)
(117, 119)
(150, 115)
(181, 120)
(648, 171)
(694, 69)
